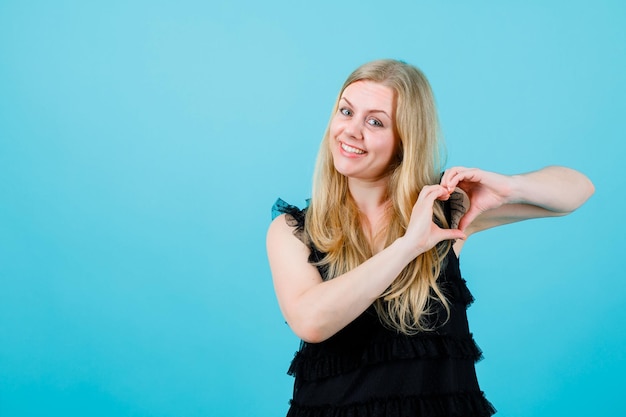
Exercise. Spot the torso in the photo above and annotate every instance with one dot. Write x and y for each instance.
(367, 369)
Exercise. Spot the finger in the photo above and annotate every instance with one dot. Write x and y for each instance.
(454, 176)
(440, 193)
(431, 193)
(450, 234)
(468, 175)
(448, 180)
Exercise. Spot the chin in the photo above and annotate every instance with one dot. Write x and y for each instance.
(344, 172)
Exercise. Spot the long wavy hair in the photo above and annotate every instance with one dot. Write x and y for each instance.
(334, 224)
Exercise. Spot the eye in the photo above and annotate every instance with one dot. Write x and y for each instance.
(374, 122)
(345, 111)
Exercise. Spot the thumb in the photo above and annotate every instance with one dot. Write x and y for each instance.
(452, 234)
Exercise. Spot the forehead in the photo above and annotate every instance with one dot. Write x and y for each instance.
(370, 95)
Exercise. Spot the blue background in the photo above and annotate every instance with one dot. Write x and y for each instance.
(142, 144)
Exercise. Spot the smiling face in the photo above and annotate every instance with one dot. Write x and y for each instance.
(362, 135)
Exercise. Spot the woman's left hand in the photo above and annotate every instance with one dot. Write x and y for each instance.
(496, 199)
(485, 190)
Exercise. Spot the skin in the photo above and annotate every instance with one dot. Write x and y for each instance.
(363, 125)
(364, 144)
(316, 309)
(493, 199)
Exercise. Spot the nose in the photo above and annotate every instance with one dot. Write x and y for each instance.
(353, 128)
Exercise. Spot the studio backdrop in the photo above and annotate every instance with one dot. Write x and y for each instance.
(143, 143)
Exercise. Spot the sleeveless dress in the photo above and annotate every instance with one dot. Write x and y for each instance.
(369, 370)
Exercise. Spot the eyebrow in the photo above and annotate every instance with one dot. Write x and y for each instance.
(371, 111)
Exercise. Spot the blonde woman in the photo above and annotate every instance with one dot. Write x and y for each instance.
(368, 276)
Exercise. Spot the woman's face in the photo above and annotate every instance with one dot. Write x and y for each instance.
(362, 138)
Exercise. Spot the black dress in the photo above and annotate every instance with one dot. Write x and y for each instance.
(368, 370)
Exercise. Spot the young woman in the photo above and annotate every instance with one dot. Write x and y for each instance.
(367, 275)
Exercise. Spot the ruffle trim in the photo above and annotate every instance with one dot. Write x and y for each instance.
(464, 404)
(281, 207)
(456, 291)
(310, 367)
(295, 216)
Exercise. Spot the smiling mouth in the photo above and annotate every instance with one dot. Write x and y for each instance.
(351, 149)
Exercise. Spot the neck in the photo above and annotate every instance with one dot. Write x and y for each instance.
(371, 200)
(369, 196)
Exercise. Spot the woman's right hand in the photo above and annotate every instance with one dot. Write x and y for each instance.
(422, 232)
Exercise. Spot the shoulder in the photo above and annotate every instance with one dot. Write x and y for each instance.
(280, 226)
(287, 225)
(284, 245)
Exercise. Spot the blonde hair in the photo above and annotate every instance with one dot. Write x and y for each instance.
(333, 223)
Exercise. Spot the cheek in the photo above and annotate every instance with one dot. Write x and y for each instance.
(393, 152)
(334, 128)
(331, 144)
(392, 146)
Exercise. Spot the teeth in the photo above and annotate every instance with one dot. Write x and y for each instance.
(350, 149)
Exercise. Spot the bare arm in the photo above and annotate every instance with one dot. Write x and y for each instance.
(495, 199)
(316, 309)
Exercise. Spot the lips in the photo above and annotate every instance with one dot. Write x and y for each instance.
(351, 149)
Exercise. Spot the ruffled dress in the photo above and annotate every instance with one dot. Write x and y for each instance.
(369, 370)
